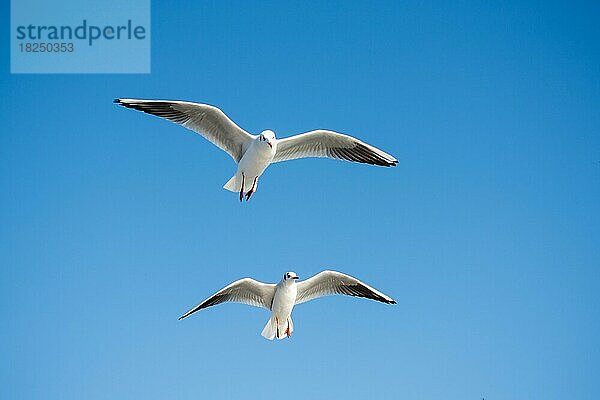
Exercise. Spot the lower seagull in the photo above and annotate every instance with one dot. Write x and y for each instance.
(281, 298)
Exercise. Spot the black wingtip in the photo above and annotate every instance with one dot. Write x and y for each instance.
(392, 302)
(117, 101)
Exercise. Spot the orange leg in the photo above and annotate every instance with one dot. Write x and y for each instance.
(242, 188)
(252, 189)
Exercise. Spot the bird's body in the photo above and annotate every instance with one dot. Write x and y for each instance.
(253, 163)
(254, 153)
(280, 299)
(280, 324)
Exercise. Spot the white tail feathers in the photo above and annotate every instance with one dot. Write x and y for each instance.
(270, 329)
(234, 184)
(280, 329)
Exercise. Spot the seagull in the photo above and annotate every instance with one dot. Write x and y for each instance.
(281, 298)
(254, 153)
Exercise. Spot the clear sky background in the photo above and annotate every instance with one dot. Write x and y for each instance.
(113, 223)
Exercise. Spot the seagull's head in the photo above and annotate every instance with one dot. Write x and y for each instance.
(268, 137)
(290, 276)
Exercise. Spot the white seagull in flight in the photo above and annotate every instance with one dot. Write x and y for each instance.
(280, 299)
(252, 153)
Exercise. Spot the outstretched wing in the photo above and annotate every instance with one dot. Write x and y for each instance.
(246, 291)
(322, 143)
(328, 283)
(207, 120)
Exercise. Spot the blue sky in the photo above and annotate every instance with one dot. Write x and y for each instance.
(113, 223)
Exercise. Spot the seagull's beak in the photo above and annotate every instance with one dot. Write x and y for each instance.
(270, 144)
(295, 278)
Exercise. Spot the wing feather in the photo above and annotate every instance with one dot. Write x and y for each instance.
(207, 120)
(329, 283)
(322, 143)
(246, 291)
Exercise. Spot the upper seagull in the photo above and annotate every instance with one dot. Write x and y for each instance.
(281, 298)
(252, 153)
